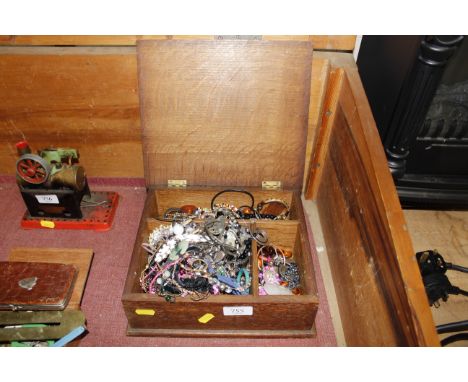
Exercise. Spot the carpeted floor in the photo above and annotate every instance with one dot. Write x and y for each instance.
(106, 321)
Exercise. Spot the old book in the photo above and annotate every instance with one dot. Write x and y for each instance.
(35, 286)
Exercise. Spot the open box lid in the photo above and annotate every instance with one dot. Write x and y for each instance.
(224, 113)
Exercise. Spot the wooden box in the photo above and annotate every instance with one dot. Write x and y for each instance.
(234, 114)
(219, 115)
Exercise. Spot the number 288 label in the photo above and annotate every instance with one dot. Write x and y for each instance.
(238, 310)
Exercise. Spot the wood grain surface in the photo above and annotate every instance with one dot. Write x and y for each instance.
(80, 258)
(31, 74)
(325, 42)
(318, 86)
(318, 153)
(391, 213)
(35, 115)
(85, 98)
(369, 249)
(230, 113)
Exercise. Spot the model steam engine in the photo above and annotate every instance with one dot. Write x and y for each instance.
(51, 182)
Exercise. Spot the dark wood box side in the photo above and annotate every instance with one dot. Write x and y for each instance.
(134, 268)
(379, 289)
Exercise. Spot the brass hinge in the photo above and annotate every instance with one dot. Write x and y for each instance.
(271, 184)
(177, 183)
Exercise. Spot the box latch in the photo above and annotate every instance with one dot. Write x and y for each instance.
(177, 183)
(271, 184)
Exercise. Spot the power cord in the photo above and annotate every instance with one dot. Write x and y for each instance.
(453, 327)
(454, 338)
(433, 268)
(458, 268)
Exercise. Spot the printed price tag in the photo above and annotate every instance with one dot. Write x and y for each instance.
(238, 310)
(47, 199)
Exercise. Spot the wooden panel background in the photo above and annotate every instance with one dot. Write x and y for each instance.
(318, 86)
(85, 98)
(224, 113)
(379, 290)
(324, 42)
(319, 149)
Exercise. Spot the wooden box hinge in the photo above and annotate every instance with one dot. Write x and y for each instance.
(271, 184)
(177, 183)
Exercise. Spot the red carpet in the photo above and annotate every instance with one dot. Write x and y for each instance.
(101, 303)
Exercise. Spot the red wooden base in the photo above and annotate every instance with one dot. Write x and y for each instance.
(97, 218)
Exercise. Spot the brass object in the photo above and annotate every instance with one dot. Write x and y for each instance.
(177, 183)
(73, 177)
(58, 324)
(271, 184)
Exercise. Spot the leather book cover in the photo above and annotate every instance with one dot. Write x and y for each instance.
(35, 286)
